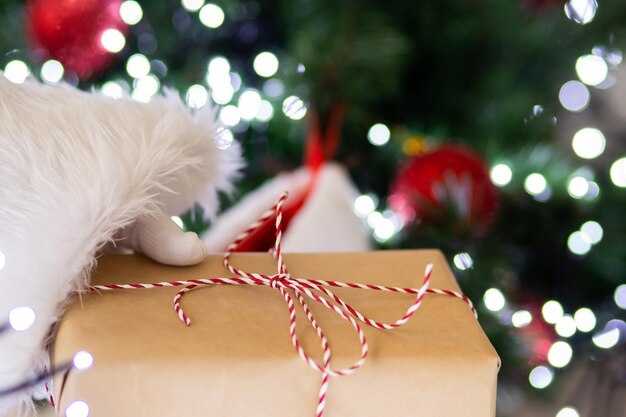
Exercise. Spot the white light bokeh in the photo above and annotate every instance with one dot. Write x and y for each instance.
(593, 230)
(560, 354)
(364, 205)
(618, 172)
(273, 88)
(494, 299)
(219, 65)
(197, 96)
(384, 229)
(265, 64)
(224, 139)
(77, 409)
(552, 311)
(535, 184)
(620, 296)
(607, 338)
(501, 174)
(145, 88)
(112, 89)
(229, 115)
(192, 5)
(585, 320)
(52, 71)
(265, 111)
(566, 326)
(379, 134)
(131, 12)
(463, 261)
(521, 318)
(581, 11)
(3, 260)
(374, 218)
(568, 412)
(83, 360)
(579, 243)
(591, 69)
(574, 96)
(138, 66)
(212, 16)
(222, 95)
(249, 103)
(112, 40)
(593, 192)
(294, 108)
(588, 143)
(541, 377)
(22, 318)
(577, 187)
(16, 71)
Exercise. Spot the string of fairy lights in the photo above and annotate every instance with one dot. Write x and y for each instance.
(240, 105)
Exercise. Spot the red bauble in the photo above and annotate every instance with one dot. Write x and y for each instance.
(450, 183)
(70, 31)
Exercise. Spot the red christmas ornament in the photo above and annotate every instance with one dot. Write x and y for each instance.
(71, 31)
(450, 182)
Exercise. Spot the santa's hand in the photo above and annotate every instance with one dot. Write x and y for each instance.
(159, 238)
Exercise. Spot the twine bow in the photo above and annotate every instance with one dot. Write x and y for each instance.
(316, 290)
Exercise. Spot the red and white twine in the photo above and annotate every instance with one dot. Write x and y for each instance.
(316, 290)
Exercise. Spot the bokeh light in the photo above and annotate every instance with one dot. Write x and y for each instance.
(581, 11)
(22, 318)
(574, 96)
(249, 103)
(588, 143)
(585, 320)
(294, 108)
(566, 326)
(577, 187)
(131, 12)
(16, 71)
(265, 111)
(211, 16)
(591, 69)
(192, 5)
(541, 377)
(229, 115)
(607, 338)
(494, 299)
(560, 354)
(552, 311)
(463, 261)
(265, 64)
(620, 296)
(364, 205)
(77, 409)
(138, 66)
(501, 174)
(113, 40)
(535, 184)
(579, 243)
(593, 230)
(379, 134)
(197, 96)
(83, 360)
(52, 71)
(618, 173)
(521, 318)
(568, 412)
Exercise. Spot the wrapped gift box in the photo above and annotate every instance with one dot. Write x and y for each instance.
(236, 358)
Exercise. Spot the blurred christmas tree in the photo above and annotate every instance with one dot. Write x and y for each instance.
(475, 127)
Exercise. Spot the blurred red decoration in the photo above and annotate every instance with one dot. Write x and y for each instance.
(450, 183)
(70, 31)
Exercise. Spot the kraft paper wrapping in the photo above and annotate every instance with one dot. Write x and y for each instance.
(237, 359)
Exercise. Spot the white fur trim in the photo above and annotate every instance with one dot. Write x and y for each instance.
(75, 168)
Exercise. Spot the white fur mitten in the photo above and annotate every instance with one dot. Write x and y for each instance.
(80, 170)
